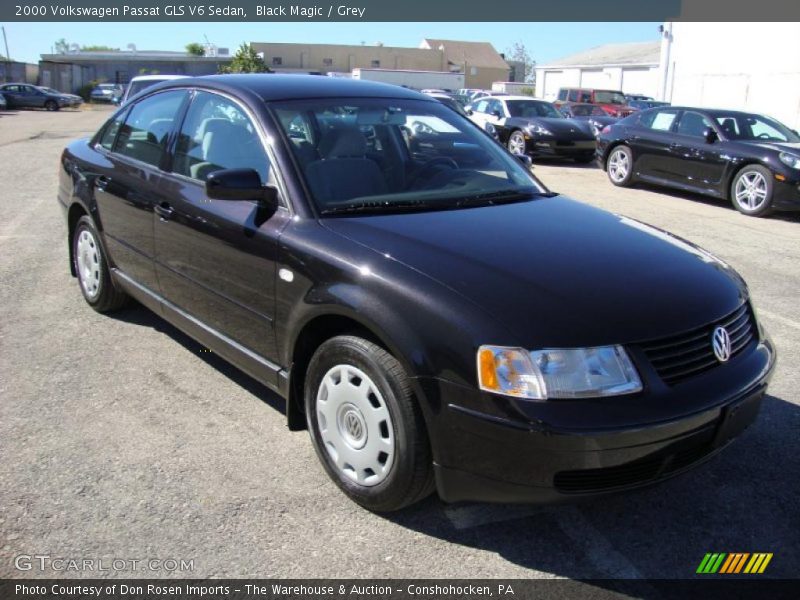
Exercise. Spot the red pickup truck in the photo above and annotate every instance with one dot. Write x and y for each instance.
(613, 102)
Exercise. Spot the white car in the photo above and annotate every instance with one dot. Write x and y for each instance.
(141, 82)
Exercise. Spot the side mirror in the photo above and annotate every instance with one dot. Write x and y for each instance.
(497, 113)
(709, 135)
(240, 184)
(468, 110)
(526, 160)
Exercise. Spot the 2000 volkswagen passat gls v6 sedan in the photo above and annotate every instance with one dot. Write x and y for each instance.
(433, 315)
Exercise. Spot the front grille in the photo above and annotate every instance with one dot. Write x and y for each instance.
(682, 356)
(640, 472)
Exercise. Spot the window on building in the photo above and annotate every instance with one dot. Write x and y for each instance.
(277, 61)
(327, 62)
(376, 64)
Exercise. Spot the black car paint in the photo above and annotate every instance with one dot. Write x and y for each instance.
(570, 138)
(430, 287)
(696, 165)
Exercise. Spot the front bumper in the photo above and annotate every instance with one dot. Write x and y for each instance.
(561, 148)
(504, 454)
(786, 194)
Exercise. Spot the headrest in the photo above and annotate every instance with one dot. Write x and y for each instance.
(343, 143)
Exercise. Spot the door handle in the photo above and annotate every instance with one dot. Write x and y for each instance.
(101, 182)
(164, 210)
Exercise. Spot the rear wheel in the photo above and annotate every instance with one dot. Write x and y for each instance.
(91, 268)
(365, 425)
(51, 105)
(751, 191)
(619, 166)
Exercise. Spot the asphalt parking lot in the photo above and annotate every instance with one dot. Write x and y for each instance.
(121, 438)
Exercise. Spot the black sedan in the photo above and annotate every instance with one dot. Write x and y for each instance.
(750, 159)
(534, 127)
(23, 95)
(595, 116)
(432, 314)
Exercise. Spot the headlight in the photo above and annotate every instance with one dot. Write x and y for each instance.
(790, 160)
(557, 372)
(539, 130)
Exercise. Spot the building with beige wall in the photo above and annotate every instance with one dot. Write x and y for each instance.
(479, 61)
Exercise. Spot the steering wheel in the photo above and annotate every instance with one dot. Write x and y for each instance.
(428, 166)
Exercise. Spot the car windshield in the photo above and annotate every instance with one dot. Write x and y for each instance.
(586, 110)
(528, 109)
(606, 97)
(377, 155)
(107, 86)
(740, 126)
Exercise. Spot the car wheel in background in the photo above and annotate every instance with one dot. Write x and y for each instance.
(51, 105)
(516, 142)
(92, 271)
(619, 166)
(366, 426)
(751, 191)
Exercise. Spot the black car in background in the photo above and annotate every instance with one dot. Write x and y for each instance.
(595, 116)
(428, 309)
(534, 127)
(24, 95)
(749, 159)
(645, 104)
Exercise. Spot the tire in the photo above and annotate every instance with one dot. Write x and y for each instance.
(619, 166)
(369, 436)
(516, 142)
(751, 191)
(584, 160)
(51, 105)
(91, 268)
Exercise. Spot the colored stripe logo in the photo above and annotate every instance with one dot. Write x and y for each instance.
(734, 563)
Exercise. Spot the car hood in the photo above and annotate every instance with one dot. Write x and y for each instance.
(557, 272)
(570, 129)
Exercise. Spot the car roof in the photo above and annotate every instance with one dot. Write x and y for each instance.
(710, 111)
(522, 98)
(272, 86)
(157, 77)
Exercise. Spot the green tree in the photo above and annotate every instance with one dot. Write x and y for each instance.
(98, 48)
(195, 49)
(246, 60)
(518, 52)
(61, 46)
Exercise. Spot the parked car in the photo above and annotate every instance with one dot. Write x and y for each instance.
(71, 100)
(107, 92)
(641, 97)
(613, 102)
(645, 104)
(448, 100)
(534, 128)
(428, 309)
(595, 116)
(750, 159)
(3, 105)
(142, 82)
(24, 95)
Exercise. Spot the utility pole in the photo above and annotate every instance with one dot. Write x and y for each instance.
(5, 39)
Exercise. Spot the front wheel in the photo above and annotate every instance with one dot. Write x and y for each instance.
(516, 142)
(91, 268)
(751, 191)
(366, 426)
(619, 166)
(51, 105)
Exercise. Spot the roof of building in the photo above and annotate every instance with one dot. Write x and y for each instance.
(475, 54)
(133, 55)
(632, 53)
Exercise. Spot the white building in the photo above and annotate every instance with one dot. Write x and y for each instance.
(632, 68)
(745, 66)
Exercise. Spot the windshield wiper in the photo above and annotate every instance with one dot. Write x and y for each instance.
(502, 197)
(377, 207)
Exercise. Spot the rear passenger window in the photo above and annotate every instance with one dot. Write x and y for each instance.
(660, 120)
(146, 131)
(573, 95)
(215, 135)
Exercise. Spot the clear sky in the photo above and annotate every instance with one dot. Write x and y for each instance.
(544, 41)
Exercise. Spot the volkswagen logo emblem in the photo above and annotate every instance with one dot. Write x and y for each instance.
(721, 343)
(353, 425)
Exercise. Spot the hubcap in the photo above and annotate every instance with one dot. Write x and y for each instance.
(88, 258)
(516, 143)
(751, 190)
(355, 425)
(618, 166)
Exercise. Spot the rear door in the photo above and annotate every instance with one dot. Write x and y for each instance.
(651, 143)
(216, 260)
(135, 145)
